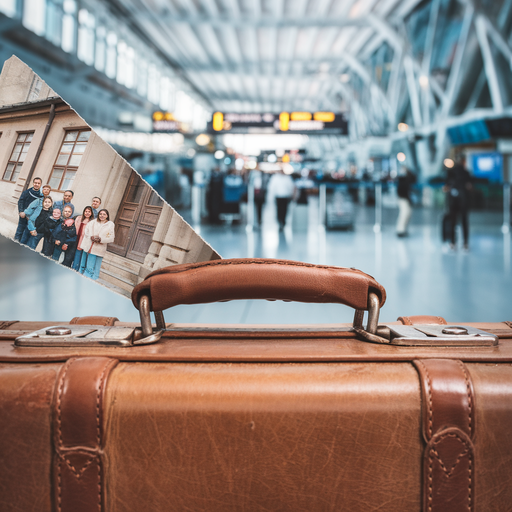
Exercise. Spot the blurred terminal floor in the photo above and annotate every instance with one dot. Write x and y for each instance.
(419, 274)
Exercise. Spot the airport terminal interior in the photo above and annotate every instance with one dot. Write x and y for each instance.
(373, 134)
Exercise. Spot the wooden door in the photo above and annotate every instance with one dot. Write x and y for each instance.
(136, 220)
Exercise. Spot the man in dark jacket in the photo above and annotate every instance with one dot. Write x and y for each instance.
(29, 195)
(458, 185)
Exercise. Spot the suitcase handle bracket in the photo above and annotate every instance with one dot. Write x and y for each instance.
(371, 328)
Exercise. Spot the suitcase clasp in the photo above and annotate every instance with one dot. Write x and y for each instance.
(86, 336)
(438, 336)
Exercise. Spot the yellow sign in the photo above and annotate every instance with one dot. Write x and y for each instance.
(284, 121)
(326, 117)
(163, 116)
(218, 121)
(301, 116)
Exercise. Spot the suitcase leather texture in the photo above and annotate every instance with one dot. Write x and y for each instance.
(284, 418)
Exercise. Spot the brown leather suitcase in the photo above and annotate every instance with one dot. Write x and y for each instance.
(98, 415)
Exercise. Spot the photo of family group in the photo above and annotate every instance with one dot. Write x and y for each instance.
(67, 194)
(77, 241)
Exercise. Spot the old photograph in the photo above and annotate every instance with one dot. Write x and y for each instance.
(67, 194)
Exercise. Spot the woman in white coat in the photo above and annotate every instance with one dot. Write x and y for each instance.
(98, 233)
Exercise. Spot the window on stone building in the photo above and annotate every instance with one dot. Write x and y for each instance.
(69, 158)
(18, 155)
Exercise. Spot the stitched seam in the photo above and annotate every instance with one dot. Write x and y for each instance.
(59, 430)
(470, 486)
(98, 399)
(430, 482)
(59, 401)
(448, 472)
(77, 473)
(430, 408)
(99, 484)
(470, 398)
(470, 418)
(98, 424)
(59, 480)
(259, 262)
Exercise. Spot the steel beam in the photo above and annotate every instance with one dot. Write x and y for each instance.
(489, 64)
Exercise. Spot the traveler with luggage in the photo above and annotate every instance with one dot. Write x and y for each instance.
(406, 180)
(98, 233)
(458, 185)
(80, 224)
(260, 181)
(282, 187)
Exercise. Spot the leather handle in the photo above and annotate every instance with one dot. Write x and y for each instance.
(237, 279)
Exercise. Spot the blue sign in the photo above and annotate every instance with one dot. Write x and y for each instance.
(488, 166)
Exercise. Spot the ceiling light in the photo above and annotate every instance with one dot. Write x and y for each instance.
(401, 157)
(345, 78)
(423, 81)
(403, 127)
(202, 139)
(288, 168)
(219, 154)
(448, 162)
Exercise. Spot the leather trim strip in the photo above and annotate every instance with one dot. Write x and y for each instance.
(7, 324)
(106, 321)
(78, 434)
(422, 320)
(448, 425)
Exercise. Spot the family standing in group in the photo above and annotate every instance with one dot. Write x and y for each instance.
(79, 242)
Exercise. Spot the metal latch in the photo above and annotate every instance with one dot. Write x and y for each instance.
(437, 336)
(87, 336)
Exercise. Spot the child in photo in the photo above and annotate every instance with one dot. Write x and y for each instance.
(47, 229)
(64, 234)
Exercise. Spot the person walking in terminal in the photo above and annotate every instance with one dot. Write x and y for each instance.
(80, 224)
(98, 234)
(27, 197)
(64, 236)
(406, 180)
(31, 214)
(45, 212)
(66, 201)
(47, 229)
(281, 187)
(458, 185)
(95, 203)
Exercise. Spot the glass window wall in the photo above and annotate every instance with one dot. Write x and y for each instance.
(98, 39)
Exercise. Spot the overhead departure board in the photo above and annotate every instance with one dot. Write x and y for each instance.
(285, 122)
(164, 122)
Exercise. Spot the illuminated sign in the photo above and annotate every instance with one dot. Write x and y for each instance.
(285, 122)
(164, 122)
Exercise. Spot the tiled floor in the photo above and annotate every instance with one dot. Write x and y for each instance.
(420, 276)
